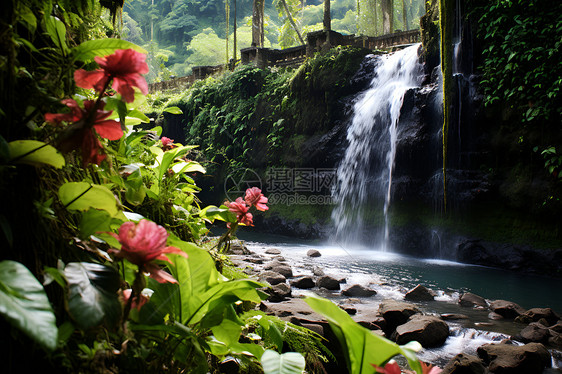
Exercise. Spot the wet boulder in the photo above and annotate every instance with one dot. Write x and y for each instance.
(284, 270)
(471, 300)
(329, 283)
(507, 309)
(420, 293)
(278, 292)
(396, 313)
(272, 277)
(535, 314)
(304, 282)
(464, 364)
(429, 331)
(358, 291)
(313, 253)
(508, 358)
(273, 251)
(535, 333)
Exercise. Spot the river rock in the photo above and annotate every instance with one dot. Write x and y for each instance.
(272, 277)
(420, 293)
(507, 358)
(254, 260)
(535, 314)
(471, 300)
(555, 340)
(328, 282)
(396, 313)
(304, 282)
(279, 292)
(284, 270)
(557, 327)
(494, 316)
(350, 309)
(453, 316)
(318, 271)
(464, 364)
(358, 291)
(313, 253)
(429, 331)
(238, 248)
(273, 251)
(507, 309)
(534, 333)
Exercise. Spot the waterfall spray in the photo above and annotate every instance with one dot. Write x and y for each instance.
(365, 173)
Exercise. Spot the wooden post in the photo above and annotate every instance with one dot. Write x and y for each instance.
(235, 51)
(257, 23)
(327, 16)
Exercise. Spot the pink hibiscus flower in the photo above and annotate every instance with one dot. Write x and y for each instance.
(80, 134)
(256, 198)
(124, 67)
(143, 243)
(240, 208)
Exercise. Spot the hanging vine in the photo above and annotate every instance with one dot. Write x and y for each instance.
(446, 28)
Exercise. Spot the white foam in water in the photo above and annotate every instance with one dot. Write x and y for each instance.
(464, 340)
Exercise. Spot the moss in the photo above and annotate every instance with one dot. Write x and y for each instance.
(306, 214)
(446, 27)
(490, 221)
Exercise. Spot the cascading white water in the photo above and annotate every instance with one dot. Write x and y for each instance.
(365, 173)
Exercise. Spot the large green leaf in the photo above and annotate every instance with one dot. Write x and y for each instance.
(92, 294)
(34, 152)
(24, 304)
(286, 363)
(200, 289)
(57, 31)
(222, 213)
(87, 50)
(188, 167)
(83, 196)
(363, 347)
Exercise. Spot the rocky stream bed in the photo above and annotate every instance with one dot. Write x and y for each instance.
(460, 331)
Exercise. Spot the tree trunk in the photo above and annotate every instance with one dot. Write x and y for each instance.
(257, 24)
(235, 51)
(227, 13)
(405, 16)
(290, 16)
(327, 16)
(387, 16)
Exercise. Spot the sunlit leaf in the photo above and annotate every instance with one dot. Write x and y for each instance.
(83, 196)
(92, 294)
(173, 110)
(36, 153)
(25, 305)
(188, 167)
(57, 31)
(286, 363)
(89, 49)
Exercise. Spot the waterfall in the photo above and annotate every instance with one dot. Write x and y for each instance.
(364, 175)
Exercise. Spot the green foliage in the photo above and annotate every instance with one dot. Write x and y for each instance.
(286, 363)
(521, 67)
(522, 74)
(34, 152)
(92, 294)
(25, 305)
(362, 347)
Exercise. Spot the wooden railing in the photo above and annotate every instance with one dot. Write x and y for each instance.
(317, 41)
